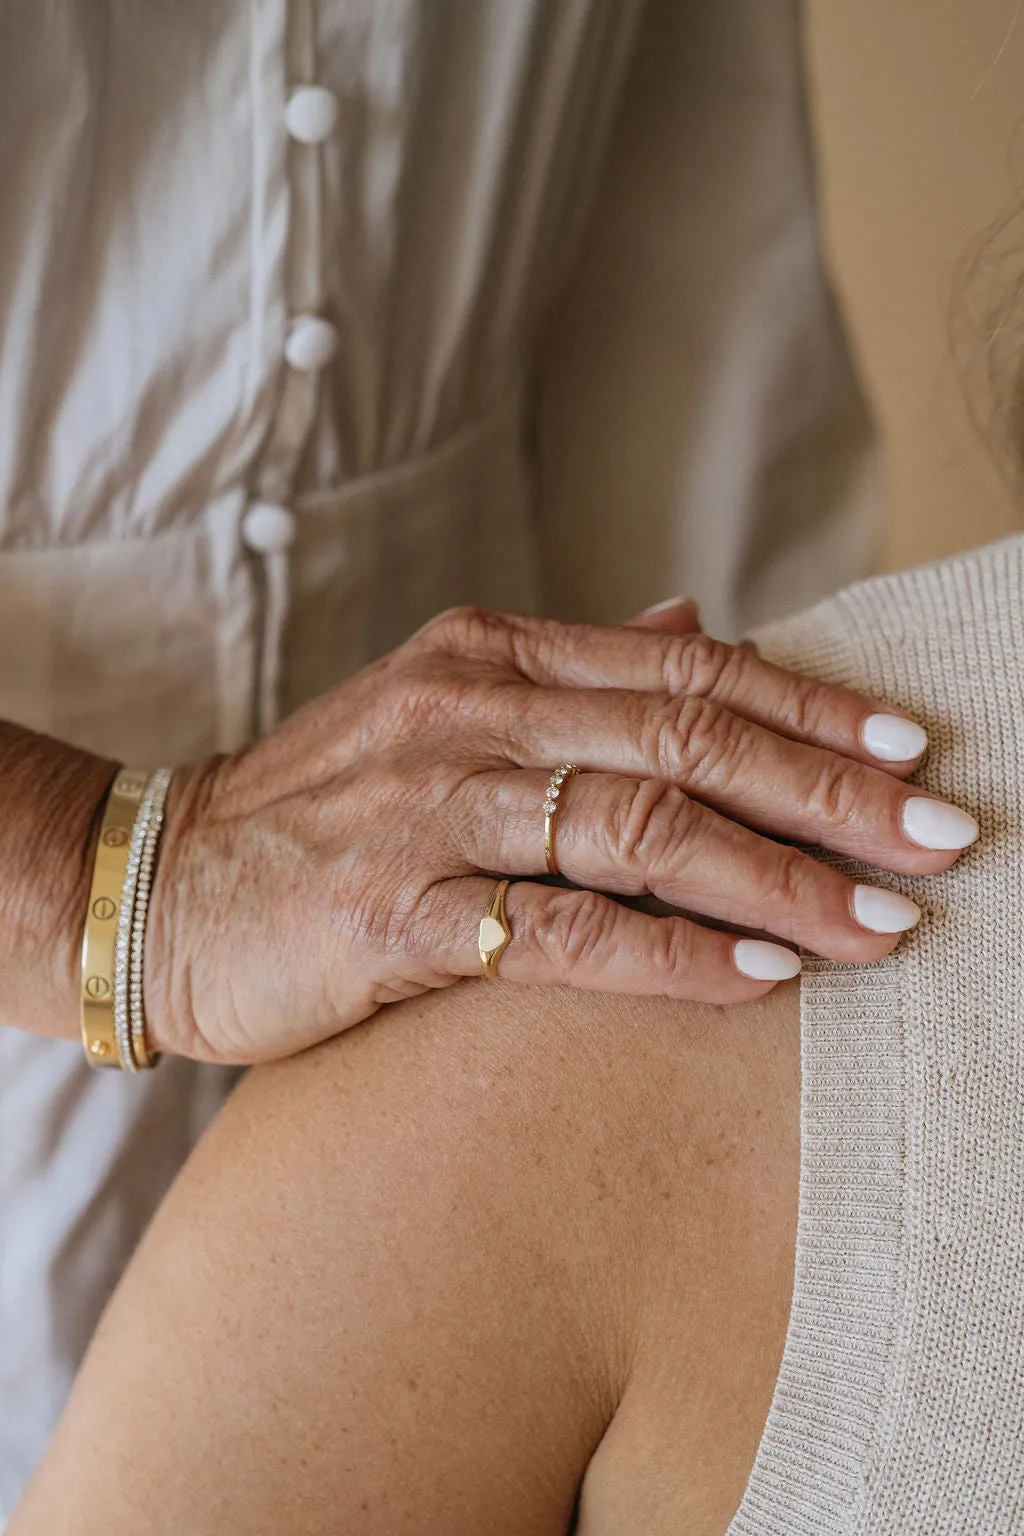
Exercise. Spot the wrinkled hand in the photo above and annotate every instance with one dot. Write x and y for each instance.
(346, 860)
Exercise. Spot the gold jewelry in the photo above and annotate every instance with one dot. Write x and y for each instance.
(131, 822)
(150, 824)
(100, 938)
(562, 772)
(495, 934)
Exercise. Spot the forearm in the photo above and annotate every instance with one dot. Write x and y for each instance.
(51, 796)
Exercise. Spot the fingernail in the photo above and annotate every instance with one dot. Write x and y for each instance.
(883, 911)
(892, 738)
(670, 602)
(934, 824)
(764, 962)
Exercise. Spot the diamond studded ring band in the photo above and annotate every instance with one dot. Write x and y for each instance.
(562, 772)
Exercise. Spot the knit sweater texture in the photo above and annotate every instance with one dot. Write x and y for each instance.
(899, 1405)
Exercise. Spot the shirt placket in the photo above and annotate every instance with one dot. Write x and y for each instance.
(268, 525)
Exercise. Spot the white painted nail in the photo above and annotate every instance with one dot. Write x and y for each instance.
(892, 738)
(934, 824)
(884, 911)
(764, 962)
(669, 602)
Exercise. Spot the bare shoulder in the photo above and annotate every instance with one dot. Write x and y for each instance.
(417, 1278)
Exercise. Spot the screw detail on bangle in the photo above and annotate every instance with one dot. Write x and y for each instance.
(113, 1021)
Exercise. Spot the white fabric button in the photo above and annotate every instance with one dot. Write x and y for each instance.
(311, 343)
(311, 113)
(267, 528)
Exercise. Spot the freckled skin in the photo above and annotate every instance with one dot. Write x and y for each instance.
(505, 1262)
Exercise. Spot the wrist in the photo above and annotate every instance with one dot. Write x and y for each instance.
(170, 1016)
(54, 796)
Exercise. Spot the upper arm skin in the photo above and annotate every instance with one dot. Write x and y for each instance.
(405, 1281)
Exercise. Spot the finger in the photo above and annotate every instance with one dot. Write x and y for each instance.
(631, 657)
(583, 939)
(675, 616)
(775, 785)
(634, 836)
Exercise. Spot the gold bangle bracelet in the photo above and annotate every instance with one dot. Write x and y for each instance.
(99, 941)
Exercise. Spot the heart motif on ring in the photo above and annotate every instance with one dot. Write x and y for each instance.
(492, 934)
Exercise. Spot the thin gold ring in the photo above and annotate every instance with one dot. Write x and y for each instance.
(562, 772)
(495, 934)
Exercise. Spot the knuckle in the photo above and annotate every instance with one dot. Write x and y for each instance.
(651, 825)
(542, 645)
(379, 926)
(696, 664)
(694, 739)
(410, 926)
(430, 694)
(837, 793)
(466, 628)
(804, 705)
(790, 883)
(413, 702)
(675, 948)
(433, 635)
(574, 926)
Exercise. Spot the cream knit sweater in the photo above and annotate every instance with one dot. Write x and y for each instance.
(900, 1401)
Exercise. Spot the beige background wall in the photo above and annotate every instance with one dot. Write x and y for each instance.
(916, 105)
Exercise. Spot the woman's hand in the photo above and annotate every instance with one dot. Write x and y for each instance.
(346, 860)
